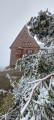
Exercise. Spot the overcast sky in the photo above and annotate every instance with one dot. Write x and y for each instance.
(14, 14)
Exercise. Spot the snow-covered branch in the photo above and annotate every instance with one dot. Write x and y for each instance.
(34, 88)
(41, 80)
(36, 102)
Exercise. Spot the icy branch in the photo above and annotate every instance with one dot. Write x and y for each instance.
(50, 84)
(35, 81)
(34, 88)
(41, 80)
(30, 98)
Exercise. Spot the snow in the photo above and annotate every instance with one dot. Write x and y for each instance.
(27, 83)
(8, 69)
(32, 118)
(42, 98)
(3, 91)
(25, 118)
(4, 117)
(35, 37)
(8, 76)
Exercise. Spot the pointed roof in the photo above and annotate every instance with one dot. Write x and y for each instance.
(24, 36)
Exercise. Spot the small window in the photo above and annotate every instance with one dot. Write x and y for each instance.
(24, 43)
(30, 51)
(19, 50)
(28, 43)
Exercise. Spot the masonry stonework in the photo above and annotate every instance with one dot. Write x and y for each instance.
(23, 44)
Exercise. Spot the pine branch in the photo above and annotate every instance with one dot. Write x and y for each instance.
(34, 88)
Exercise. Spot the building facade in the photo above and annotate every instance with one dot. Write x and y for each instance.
(23, 44)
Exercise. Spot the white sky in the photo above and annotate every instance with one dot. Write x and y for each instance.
(14, 14)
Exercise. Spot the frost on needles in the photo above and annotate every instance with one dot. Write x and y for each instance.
(37, 103)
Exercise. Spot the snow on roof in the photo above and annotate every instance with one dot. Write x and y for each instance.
(41, 45)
